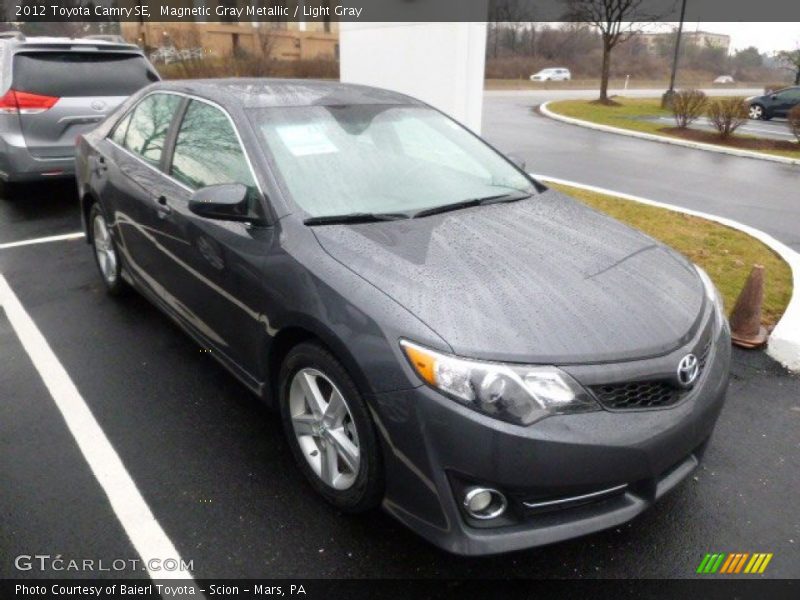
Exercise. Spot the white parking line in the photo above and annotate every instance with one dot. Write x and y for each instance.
(43, 240)
(134, 515)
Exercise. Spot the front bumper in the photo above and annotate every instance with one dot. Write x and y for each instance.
(434, 449)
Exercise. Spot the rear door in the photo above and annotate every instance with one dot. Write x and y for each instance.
(70, 92)
(133, 179)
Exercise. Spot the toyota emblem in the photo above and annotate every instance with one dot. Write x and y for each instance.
(688, 370)
(98, 104)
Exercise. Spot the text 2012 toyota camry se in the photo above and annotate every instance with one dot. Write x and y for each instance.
(494, 363)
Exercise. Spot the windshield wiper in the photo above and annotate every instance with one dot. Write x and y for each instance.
(359, 217)
(469, 203)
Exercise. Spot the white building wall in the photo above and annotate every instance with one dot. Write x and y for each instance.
(439, 63)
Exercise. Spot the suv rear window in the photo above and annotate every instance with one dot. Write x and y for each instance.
(71, 74)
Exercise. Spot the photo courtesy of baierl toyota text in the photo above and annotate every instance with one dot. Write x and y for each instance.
(414, 299)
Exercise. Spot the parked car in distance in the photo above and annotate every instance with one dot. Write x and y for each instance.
(54, 89)
(723, 79)
(494, 363)
(553, 74)
(775, 104)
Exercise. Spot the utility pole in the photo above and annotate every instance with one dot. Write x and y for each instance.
(666, 99)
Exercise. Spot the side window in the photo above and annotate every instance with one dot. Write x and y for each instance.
(149, 124)
(207, 150)
(121, 129)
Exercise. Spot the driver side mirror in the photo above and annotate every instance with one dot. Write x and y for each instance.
(224, 202)
(774, 96)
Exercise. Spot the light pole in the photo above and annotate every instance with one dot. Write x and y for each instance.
(666, 99)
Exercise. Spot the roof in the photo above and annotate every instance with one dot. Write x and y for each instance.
(265, 92)
(43, 42)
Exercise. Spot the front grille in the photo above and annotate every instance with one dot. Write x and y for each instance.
(645, 394)
(637, 394)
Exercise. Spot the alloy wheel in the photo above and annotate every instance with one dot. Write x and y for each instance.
(756, 112)
(324, 428)
(104, 249)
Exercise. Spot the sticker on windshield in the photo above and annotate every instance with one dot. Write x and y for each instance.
(304, 140)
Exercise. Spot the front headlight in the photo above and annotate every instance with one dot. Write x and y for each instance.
(712, 293)
(514, 393)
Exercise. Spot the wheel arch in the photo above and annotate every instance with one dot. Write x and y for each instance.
(88, 199)
(308, 331)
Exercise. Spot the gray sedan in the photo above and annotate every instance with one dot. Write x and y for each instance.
(492, 362)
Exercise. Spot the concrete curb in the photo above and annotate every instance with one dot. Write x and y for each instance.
(784, 341)
(666, 140)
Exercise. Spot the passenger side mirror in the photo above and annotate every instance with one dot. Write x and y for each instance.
(517, 160)
(224, 202)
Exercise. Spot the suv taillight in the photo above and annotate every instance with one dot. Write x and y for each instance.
(25, 103)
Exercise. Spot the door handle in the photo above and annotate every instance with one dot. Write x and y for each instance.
(163, 207)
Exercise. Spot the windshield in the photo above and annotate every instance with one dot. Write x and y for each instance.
(338, 160)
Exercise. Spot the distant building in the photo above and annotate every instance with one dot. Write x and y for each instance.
(701, 39)
(283, 40)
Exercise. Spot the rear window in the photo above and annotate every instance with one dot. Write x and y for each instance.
(71, 74)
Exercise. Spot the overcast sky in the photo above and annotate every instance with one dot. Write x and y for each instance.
(767, 37)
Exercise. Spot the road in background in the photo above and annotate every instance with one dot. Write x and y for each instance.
(758, 193)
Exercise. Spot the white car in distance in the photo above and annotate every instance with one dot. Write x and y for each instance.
(553, 74)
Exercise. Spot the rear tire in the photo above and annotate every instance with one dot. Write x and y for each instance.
(9, 191)
(329, 429)
(106, 253)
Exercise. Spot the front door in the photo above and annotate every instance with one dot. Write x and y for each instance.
(213, 266)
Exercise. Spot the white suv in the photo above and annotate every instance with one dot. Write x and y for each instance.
(556, 74)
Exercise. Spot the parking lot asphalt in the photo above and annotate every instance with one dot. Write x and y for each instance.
(213, 466)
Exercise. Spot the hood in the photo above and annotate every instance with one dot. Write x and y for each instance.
(542, 280)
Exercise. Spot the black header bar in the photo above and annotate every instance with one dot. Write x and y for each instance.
(385, 10)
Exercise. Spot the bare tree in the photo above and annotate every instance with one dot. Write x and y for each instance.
(791, 59)
(617, 21)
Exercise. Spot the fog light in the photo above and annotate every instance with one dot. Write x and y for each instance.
(484, 503)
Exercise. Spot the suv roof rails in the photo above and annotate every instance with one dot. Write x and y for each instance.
(106, 37)
(16, 35)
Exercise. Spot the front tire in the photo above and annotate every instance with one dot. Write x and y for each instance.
(105, 251)
(757, 112)
(329, 429)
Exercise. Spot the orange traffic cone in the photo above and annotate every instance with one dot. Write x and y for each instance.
(746, 328)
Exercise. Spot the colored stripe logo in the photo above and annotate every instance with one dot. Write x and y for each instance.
(734, 563)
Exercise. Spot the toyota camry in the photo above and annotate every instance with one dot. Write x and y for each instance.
(494, 363)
